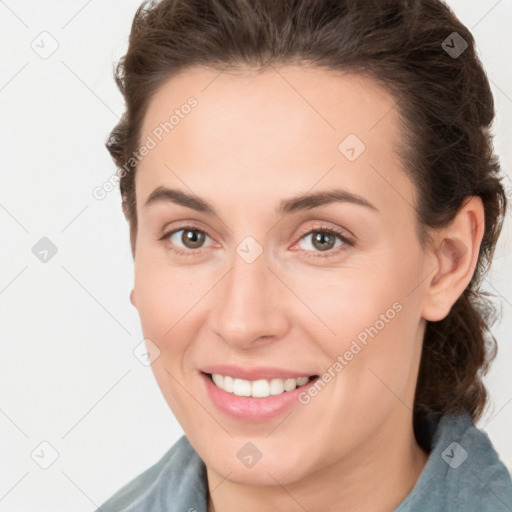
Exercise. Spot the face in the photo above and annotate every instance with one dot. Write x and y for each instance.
(247, 279)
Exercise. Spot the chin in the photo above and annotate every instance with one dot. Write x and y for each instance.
(260, 474)
(272, 468)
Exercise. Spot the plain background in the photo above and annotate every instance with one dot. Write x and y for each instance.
(69, 378)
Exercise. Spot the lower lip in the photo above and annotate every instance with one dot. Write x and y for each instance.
(251, 408)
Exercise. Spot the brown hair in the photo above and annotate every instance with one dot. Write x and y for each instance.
(444, 102)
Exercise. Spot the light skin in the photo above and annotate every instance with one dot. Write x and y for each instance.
(253, 141)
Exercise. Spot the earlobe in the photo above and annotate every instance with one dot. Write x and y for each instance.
(455, 250)
(132, 298)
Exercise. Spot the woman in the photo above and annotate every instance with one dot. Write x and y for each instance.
(313, 201)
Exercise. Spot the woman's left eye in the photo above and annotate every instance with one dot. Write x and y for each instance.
(321, 240)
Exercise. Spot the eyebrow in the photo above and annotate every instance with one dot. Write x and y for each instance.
(286, 206)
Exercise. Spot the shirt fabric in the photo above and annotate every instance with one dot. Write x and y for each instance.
(463, 473)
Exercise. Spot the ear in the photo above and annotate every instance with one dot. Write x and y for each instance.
(455, 250)
(132, 298)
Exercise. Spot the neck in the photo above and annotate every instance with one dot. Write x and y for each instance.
(375, 476)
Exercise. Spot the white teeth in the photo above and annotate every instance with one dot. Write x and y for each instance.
(257, 388)
(218, 380)
(260, 388)
(290, 384)
(242, 387)
(228, 384)
(301, 381)
(276, 386)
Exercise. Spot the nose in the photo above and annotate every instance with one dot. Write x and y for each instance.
(250, 305)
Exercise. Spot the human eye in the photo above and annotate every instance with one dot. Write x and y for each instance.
(325, 239)
(190, 237)
(189, 240)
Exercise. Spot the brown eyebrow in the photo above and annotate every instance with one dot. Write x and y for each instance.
(308, 201)
(287, 206)
(167, 195)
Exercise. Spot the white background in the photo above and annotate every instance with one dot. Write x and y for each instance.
(68, 374)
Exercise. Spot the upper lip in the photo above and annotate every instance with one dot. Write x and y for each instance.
(254, 373)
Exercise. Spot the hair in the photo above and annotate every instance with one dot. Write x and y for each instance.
(444, 104)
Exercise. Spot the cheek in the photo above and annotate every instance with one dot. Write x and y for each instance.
(348, 303)
(372, 331)
(161, 298)
(168, 301)
(369, 325)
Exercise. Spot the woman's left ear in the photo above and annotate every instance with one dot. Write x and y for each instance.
(455, 251)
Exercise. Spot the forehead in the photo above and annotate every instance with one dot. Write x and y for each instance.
(286, 127)
(303, 100)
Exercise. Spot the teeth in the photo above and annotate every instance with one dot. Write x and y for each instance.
(228, 383)
(302, 380)
(241, 387)
(290, 384)
(217, 379)
(276, 386)
(257, 388)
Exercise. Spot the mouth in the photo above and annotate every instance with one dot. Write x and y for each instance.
(260, 388)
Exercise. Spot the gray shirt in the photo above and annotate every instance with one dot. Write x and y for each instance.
(463, 473)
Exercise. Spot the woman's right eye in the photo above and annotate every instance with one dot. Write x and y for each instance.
(190, 238)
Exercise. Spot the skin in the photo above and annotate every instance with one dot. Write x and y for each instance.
(252, 141)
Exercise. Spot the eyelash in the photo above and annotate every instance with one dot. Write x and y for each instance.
(319, 254)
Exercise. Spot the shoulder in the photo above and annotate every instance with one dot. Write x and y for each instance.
(484, 481)
(176, 482)
(463, 471)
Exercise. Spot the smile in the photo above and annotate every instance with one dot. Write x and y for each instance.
(261, 388)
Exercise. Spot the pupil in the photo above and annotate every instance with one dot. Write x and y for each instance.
(192, 239)
(321, 238)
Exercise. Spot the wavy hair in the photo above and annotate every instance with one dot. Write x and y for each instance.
(445, 107)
